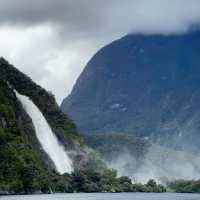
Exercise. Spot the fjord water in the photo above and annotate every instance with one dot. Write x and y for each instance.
(107, 196)
(46, 137)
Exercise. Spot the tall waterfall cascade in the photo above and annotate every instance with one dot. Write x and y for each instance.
(46, 137)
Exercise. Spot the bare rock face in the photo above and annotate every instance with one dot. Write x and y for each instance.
(145, 85)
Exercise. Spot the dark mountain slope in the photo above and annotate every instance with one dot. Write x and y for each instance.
(148, 86)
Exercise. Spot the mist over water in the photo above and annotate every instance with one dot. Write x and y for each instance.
(46, 137)
(165, 164)
(160, 163)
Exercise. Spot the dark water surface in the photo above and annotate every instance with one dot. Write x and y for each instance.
(106, 196)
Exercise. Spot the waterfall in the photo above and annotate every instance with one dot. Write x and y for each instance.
(46, 137)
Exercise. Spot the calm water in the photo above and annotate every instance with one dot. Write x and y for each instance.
(122, 196)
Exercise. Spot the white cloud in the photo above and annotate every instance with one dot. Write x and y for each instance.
(39, 52)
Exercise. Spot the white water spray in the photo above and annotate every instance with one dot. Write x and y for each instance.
(160, 163)
(46, 137)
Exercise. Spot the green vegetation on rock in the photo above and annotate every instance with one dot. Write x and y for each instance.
(21, 167)
(185, 186)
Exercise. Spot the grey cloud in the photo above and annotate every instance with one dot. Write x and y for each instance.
(94, 17)
(70, 13)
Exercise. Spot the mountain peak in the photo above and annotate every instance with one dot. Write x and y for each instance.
(146, 85)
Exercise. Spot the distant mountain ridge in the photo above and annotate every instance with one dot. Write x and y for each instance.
(146, 85)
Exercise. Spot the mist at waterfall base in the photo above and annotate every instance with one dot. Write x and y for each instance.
(46, 137)
(159, 163)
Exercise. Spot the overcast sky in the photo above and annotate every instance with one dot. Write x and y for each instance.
(52, 40)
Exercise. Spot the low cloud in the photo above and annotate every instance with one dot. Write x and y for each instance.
(104, 16)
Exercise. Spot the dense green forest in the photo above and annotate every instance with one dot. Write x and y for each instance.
(185, 186)
(21, 167)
